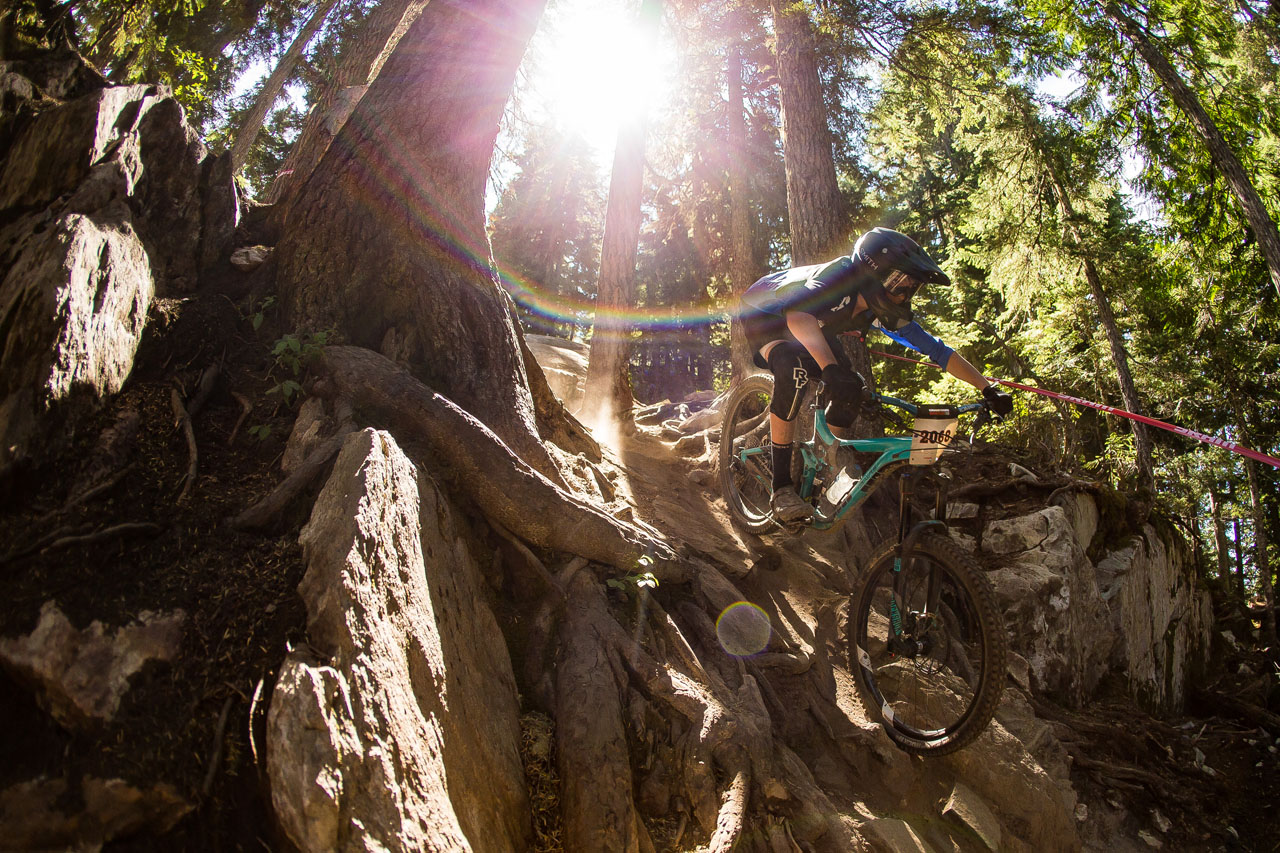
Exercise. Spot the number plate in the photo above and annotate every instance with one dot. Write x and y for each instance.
(933, 431)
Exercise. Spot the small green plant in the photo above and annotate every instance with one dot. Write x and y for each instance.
(293, 353)
(260, 431)
(636, 580)
(260, 313)
(628, 582)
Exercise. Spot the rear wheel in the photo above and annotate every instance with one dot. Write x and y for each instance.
(927, 646)
(746, 454)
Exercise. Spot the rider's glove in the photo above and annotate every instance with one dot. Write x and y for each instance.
(843, 385)
(1000, 400)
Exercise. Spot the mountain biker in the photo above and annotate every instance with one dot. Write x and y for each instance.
(791, 319)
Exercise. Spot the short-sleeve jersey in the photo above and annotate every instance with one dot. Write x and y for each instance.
(828, 292)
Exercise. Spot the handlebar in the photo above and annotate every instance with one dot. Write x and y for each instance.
(913, 408)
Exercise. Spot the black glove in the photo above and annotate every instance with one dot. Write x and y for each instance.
(1000, 400)
(844, 386)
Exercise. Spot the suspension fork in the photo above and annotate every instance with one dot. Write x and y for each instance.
(908, 535)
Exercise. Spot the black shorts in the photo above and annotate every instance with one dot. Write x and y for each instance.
(762, 329)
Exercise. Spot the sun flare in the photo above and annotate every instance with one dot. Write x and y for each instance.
(594, 68)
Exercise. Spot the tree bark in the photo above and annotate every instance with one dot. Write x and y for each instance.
(376, 40)
(483, 468)
(819, 221)
(1220, 152)
(386, 242)
(1220, 540)
(742, 270)
(599, 808)
(607, 390)
(270, 91)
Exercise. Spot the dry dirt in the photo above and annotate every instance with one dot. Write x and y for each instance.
(195, 723)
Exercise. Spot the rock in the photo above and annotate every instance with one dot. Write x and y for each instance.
(75, 299)
(1161, 614)
(220, 211)
(417, 688)
(310, 428)
(100, 201)
(1140, 611)
(896, 836)
(81, 676)
(1030, 806)
(565, 365)
(250, 258)
(701, 477)
(33, 816)
(1048, 588)
(968, 809)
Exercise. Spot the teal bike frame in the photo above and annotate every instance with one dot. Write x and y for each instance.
(895, 452)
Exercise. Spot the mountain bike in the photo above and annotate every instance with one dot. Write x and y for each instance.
(926, 642)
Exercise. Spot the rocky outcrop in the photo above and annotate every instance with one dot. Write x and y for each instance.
(405, 735)
(81, 676)
(40, 814)
(1137, 613)
(104, 204)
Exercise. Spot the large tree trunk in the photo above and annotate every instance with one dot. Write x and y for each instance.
(1220, 152)
(1128, 390)
(248, 132)
(377, 38)
(607, 390)
(819, 223)
(386, 242)
(742, 270)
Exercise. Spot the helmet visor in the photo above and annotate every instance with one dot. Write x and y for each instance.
(901, 286)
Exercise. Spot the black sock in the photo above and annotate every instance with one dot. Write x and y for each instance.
(781, 466)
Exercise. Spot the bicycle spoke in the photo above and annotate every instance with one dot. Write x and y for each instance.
(928, 657)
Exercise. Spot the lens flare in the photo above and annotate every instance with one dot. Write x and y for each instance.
(743, 629)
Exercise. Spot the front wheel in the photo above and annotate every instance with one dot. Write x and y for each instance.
(746, 460)
(927, 646)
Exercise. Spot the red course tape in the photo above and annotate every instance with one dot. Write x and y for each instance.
(1182, 431)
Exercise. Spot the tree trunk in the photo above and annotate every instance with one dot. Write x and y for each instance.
(1261, 560)
(1255, 212)
(386, 242)
(377, 38)
(248, 132)
(742, 270)
(1220, 540)
(819, 226)
(1235, 529)
(1128, 391)
(607, 390)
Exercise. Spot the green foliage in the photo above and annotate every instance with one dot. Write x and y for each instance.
(293, 355)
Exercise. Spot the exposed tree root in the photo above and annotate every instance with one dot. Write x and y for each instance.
(483, 468)
(102, 535)
(1248, 711)
(246, 406)
(598, 806)
(265, 512)
(182, 419)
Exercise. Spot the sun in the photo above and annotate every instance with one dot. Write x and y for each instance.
(593, 68)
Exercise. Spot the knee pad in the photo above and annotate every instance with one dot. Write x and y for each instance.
(787, 362)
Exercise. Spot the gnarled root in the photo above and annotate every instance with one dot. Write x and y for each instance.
(704, 742)
(482, 467)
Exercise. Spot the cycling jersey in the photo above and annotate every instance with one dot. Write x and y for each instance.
(828, 292)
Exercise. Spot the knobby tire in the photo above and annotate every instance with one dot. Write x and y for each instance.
(936, 687)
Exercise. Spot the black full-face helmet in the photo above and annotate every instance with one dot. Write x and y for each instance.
(898, 266)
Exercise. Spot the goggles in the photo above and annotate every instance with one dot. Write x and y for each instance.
(901, 284)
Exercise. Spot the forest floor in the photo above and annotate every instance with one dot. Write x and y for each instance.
(197, 723)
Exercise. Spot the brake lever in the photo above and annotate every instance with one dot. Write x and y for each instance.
(985, 416)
